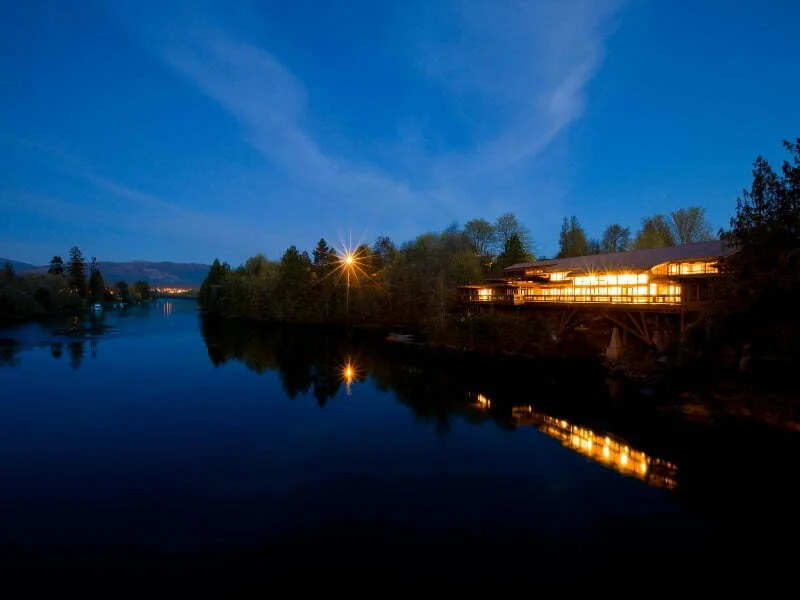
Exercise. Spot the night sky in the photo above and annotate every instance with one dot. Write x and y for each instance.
(192, 130)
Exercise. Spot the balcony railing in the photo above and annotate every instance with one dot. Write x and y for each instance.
(519, 299)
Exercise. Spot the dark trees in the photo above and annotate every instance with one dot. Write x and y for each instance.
(97, 285)
(616, 238)
(689, 225)
(763, 275)
(572, 241)
(655, 233)
(56, 266)
(76, 272)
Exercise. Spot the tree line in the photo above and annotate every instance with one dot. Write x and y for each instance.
(413, 284)
(66, 288)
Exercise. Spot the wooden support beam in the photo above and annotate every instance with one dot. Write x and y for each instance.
(627, 327)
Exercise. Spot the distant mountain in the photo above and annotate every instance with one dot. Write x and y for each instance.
(19, 267)
(155, 273)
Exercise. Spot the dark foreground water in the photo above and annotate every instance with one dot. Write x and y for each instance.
(158, 441)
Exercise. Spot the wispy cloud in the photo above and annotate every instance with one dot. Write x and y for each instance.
(526, 62)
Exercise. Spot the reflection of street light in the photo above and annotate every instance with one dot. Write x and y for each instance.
(349, 375)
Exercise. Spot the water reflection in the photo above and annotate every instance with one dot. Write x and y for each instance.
(349, 375)
(601, 447)
(76, 354)
(165, 307)
(319, 363)
(9, 353)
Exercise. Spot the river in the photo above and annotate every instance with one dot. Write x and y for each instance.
(159, 439)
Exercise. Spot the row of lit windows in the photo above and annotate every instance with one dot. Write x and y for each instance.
(638, 290)
(611, 279)
(687, 268)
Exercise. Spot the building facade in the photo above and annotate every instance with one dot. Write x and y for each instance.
(662, 279)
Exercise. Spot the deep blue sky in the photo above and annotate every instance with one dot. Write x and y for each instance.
(191, 130)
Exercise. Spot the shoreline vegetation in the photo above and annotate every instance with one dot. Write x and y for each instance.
(66, 290)
(749, 334)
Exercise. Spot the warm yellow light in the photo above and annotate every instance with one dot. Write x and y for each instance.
(349, 260)
(606, 452)
(643, 468)
(349, 374)
(623, 460)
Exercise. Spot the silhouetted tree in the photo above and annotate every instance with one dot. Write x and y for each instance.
(56, 266)
(572, 241)
(123, 291)
(481, 236)
(689, 225)
(322, 254)
(507, 225)
(76, 272)
(294, 282)
(210, 295)
(140, 290)
(513, 252)
(97, 285)
(655, 233)
(616, 238)
(762, 282)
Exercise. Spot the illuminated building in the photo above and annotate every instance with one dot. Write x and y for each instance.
(659, 278)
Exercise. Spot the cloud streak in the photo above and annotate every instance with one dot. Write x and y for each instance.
(528, 63)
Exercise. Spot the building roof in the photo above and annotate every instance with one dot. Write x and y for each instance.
(636, 260)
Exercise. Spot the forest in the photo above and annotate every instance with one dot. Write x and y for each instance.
(412, 285)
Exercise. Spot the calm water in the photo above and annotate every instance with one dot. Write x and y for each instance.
(162, 440)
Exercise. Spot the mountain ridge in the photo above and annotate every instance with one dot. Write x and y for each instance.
(159, 273)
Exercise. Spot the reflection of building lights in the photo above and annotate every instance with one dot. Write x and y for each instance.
(612, 452)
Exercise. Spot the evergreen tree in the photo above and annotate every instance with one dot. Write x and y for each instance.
(572, 241)
(210, 295)
(322, 254)
(294, 281)
(97, 286)
(56, 266)
(76, 272)
(762, 280)
(513, 252)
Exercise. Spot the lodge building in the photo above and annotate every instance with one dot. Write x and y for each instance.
(658, 279)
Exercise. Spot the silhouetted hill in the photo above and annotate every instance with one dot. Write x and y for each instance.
(19, 267)
(155, 273)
